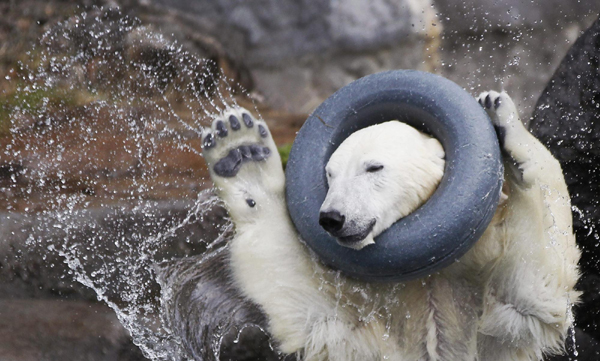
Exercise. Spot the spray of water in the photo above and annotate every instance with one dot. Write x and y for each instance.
(105, 127)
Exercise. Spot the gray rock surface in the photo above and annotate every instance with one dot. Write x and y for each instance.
(567, 120)
(271, 32)
(299, 52)
(52, 330)
(477, 15)
(46, 313)
(31, 265)
(509, 44)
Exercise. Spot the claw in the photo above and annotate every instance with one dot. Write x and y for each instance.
(262, 131)
(234, 122)
(488, 102)
(247, 120)
(209, 141)
(221, 129)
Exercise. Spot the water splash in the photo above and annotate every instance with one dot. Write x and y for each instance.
(105, 129)
(571, 331)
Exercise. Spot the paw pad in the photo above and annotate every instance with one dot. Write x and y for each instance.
(221, 129)
(209, 141)
(229, 165)
(262, 131)
(247, 120)
(234, 122)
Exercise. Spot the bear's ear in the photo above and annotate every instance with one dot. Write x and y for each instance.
(435, 147)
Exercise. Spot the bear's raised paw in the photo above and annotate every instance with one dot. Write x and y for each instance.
(529, 159)
(235, 138)
(503, 113)
(241, 154)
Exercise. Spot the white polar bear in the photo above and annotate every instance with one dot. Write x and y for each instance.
(508, 298)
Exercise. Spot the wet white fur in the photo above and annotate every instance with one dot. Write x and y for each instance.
(508, 298)
(413, 165)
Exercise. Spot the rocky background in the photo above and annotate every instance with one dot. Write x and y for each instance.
(566, 119)
(290, 55)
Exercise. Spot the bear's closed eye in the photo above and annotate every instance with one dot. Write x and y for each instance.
(372, 168)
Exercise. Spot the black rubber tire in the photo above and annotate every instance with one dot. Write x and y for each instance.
(450, 222)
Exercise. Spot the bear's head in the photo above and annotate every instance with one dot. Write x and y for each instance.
(378, 175)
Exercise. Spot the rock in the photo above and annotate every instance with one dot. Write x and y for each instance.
(302, 87)
(509, 44)
(567, 121)
(299, 52)
(587, 348)
(500, 15)
(31, 263)
(55, 330)
(271, 32)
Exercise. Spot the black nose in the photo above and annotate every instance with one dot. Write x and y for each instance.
(331, 221)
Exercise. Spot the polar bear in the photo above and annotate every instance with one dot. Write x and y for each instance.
(508, 298)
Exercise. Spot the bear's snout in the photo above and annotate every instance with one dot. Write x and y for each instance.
(331, 221)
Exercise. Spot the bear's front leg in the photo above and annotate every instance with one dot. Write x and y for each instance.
(530, 287)
(268, 262)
